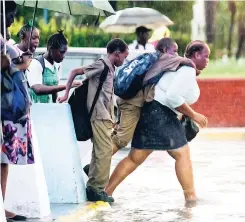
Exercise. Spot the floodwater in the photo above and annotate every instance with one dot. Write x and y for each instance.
(153, 194)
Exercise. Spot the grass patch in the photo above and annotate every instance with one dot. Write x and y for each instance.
(229, 68)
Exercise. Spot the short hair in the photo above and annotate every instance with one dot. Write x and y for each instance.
(141, 29)
(193, 47)
(164, 43)
(10, 6)
(24, 29)
(56, 40)
(116, 45)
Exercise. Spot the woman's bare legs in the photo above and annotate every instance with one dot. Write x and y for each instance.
(184, 172)
(125, 167)
(183, 168)
(4, 178)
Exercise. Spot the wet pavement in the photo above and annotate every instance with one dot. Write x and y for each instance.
(153, 194)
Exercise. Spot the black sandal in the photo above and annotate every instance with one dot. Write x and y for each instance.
(17, 218)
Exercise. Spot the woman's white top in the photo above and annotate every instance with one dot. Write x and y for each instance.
(176, 88)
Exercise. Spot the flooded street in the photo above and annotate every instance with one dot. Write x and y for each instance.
(152, 192)
(80, 78)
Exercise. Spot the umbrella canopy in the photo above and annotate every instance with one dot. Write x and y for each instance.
(159, 33)
(72, 7)
(162, 32)
(127, 20)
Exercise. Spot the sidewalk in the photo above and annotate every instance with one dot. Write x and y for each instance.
(73, 212)
(80, 213)
(237, 134)
(152, 192)
(218, 134)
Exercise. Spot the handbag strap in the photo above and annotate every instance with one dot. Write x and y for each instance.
(102, 80)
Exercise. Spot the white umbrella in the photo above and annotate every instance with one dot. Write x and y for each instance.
(127, 20)
(71, 7)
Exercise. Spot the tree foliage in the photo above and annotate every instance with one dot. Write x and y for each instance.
(83, 30)
(227, 32)
(179, 12)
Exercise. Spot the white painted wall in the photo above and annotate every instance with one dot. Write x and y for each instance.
(59, 152)
(57, 170)
(198, 22)
(85, 149)
(26, 192)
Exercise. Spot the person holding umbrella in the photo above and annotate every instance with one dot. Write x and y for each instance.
(141, 43)
(16, 143)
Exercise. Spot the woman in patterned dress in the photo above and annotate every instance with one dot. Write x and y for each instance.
(16, 138)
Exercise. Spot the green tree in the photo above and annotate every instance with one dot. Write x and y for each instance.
(210, 12)
(232, 8)
(179, 12)
(241, 30)
(82, 30)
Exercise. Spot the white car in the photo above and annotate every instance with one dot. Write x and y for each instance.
(78, 57)
(74, 58)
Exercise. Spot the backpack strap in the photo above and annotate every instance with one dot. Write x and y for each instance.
(102, 80)
(40, 59)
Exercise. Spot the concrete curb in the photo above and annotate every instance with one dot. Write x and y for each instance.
(237, 134)
(84, 212)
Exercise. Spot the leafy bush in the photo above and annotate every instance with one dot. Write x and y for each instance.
(85, 36)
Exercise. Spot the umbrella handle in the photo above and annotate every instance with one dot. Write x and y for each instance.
(33, 19)
(97, 20)
(4, 27)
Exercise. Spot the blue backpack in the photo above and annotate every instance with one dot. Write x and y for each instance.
(15, 98)
(129, 77)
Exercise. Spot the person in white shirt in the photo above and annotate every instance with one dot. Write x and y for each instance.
(43, 72)
(159, 127)
(24, 36)
(140, 45)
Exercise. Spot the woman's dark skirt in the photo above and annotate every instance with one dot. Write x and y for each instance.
(158, 129)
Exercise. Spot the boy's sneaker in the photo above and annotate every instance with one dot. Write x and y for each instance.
(93, 195)
(86, 169)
